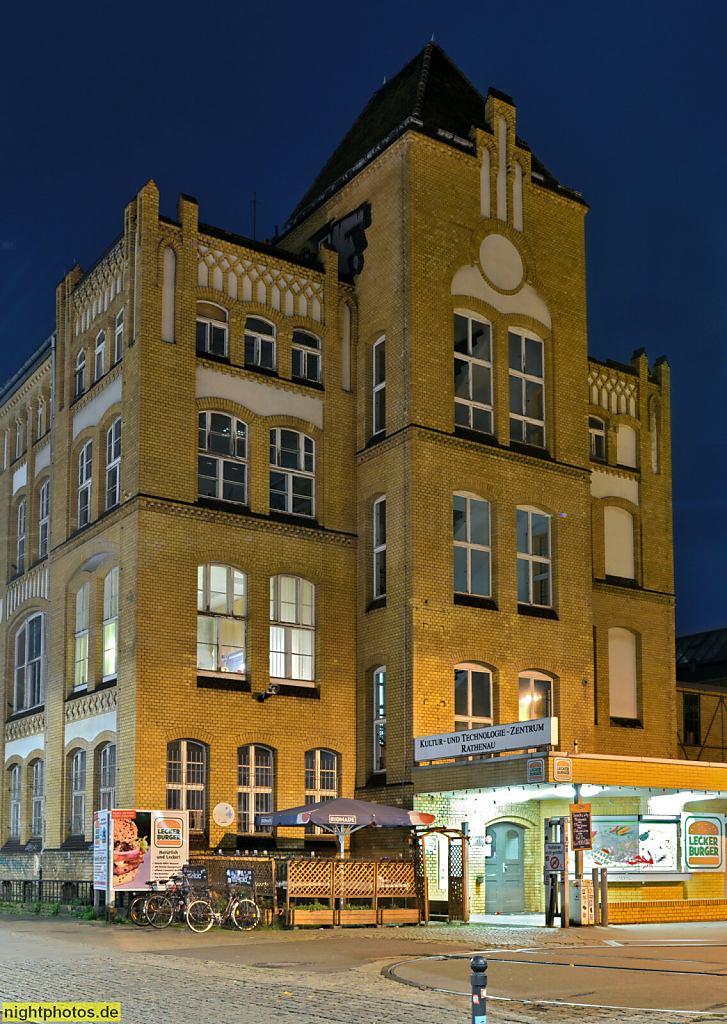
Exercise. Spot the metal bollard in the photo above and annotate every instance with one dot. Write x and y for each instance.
(478, 981)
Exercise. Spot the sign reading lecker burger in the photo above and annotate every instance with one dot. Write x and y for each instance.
(147, 846)
(703, 841)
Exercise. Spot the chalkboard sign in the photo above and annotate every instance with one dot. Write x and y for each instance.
(580, 827)
(240, 876)
(196, 874)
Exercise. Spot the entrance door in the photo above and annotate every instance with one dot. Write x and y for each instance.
(505, 869)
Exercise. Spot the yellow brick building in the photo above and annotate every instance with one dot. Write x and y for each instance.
(414, 506)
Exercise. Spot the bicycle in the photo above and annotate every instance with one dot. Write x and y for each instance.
(160, 907)
(244, 913)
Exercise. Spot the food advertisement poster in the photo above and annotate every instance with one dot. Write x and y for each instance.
(703, 841)
(626, 844)
(147, 846)
(100, 849)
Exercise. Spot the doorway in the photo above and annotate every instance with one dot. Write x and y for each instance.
(505, 869)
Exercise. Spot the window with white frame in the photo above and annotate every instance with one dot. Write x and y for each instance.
(80, 676)
(15, 800)
(533, 557)
(472, 373)
(292, 630)
(43, 519)
(222, 458)
(471, 536)
(379, 547)
(28, 684)
(119, 336)
(111, 623)
(379, 386)
(85, 466)
(80, 377)
(292, 473)
(472, 697)
(535, 696)
(254, 787)
(113, 463)
(36, 798)
(20, 539)
(380, 719)
(597, 438)
(527, 395)
(259, 343)
(99, 361)
(321, 781)
(622, 676)
(306, 356)
(107, 777)
(211, 329)
(78, 793)
(186, 780)
(221, 610)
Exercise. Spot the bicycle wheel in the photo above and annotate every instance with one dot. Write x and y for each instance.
(200, 916)
(245, 914)
(159, 911)
(137, 912)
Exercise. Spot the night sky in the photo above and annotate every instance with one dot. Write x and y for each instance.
(623, 101)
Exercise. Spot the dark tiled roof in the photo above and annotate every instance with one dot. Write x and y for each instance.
(702, 657)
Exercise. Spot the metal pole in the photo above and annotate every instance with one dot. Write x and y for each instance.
(478, 981)
(596, 898)
(604, 897)
(579, 853)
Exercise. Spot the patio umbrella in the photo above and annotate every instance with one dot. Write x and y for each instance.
(344, 816)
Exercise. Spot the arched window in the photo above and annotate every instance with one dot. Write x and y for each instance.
(113, 463)
(29, 664)
(533, 557)
(36, 798)
(535, 696)
(107, 777)
(221, 610)
(471, 534)
(527, 398)
(626, 454)
(292, 630)
(20, 539)
(254, 786)
(321, 780)
(380, 719)
(19, 448)
(306, 356)
(211, 329)
(43, 519)
(99, 363)
(85, 467)
(259, 343)
(622, 682)
(472, 373)
(80, 378)
(78, 793)
(222, 459)
(15, 800)
(119, 336)
(111, 623)
(186, 780)
(81, 637)
(472, 697)
(597, 436)
(618, 529)
(40, 418)
(292, 472)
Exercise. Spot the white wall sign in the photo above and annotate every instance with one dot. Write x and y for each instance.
(490, 739)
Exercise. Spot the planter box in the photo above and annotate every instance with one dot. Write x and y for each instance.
(398, 915)
(364, 915)
(317, 917)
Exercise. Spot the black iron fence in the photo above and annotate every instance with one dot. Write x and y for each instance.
(50, 890)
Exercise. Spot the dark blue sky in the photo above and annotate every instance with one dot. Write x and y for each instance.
(623, 101)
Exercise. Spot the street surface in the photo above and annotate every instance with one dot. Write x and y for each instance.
(310, 976)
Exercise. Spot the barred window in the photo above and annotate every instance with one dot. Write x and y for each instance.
(321, 780)
(254, 786)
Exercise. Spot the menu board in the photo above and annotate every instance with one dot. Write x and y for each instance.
(626, 844)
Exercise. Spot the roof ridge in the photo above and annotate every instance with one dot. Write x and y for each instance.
(423, 78)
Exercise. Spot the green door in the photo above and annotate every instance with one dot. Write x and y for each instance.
(505, 869)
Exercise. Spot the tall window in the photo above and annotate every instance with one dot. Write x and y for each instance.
(85, 466)
(110, 623)
(221, 609)
(186, 780)
(18, 439)
(99, 364)
(107, 777)
(211, 329)
(292, 473)
(533, 557)
(380, 719)
(259, 343)
(119, 336)
(80, 378)
(618, 535)
(221, 464)
(15, 794)
(43, 504)
(692, 720)
(379, 548)
(40, 418)
(29, 664)
(81, 637)
(527, 403)
(254, 786)
(471, 534)
(472, 373)
(472, 697)
(379, 386)
(306, 356)
(320, 781)
(113, 463)
(597, 436)
(20, 539)
(535, 696)
(36, 798)
(78, 793)
(622, 682)
(292, 631)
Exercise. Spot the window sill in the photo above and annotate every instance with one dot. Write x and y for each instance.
(623, 581)
(293, 520)
(26, 713)
(474, 601)
(305, 383)
(267, 371)
(106, 684)
(376, 438)
(225, 360)
(380, 602)
(223, 681)
(531, 449)
(290, 688)
(220, 505)
(536, 611)
(479, 436)
(627, 723)
(80, 692)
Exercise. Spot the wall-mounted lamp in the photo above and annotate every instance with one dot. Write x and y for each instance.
(270, 692)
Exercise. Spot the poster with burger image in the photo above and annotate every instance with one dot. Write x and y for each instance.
(130, 838)
(703, 841)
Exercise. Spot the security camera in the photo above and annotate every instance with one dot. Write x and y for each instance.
(270, 692)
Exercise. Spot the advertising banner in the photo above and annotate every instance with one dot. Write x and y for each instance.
(100, 849)
(489, 739)
(703, 841)
(147, 846)
(580, 827)
(627, 844)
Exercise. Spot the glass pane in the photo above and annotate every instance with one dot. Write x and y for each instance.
(523, 544)
(516, 395)
(481, 384)
(461, 379)
(307, 597)
(279, 492)
(523, 580)
(481, 695)
(380, 573)
(512, 845)
(218, 589)
(461, 704)
(479, 522)
(459, 517)
(460, 570)
(302, 503)
(516, 430)
(207, 476)
(379, 364)
(313, 366)
(206, 647)
(277, 652)
(233, 482)
(238, 585)
(480, 340)
(524, 698)
(480, 572)
(534, 435)
(460, 334)
(541, 698)
(301, 646)
(250, 350)
(201, 335)
(533, 357)
(219, 340)
(289, 449)
(288, 599)
(232, 645)
(380, 694)
(515, 351)
(380, 523)
(302, 338)
(243, 767)
(308, 454)
(220, 436)
(297, 363)
(379, 410)
(200, 588)
(481, 419)
(540, 535)
(461, 414)
(533, 400)
(541, 583)
(267, 354)
(109, 648)
(240, 439)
